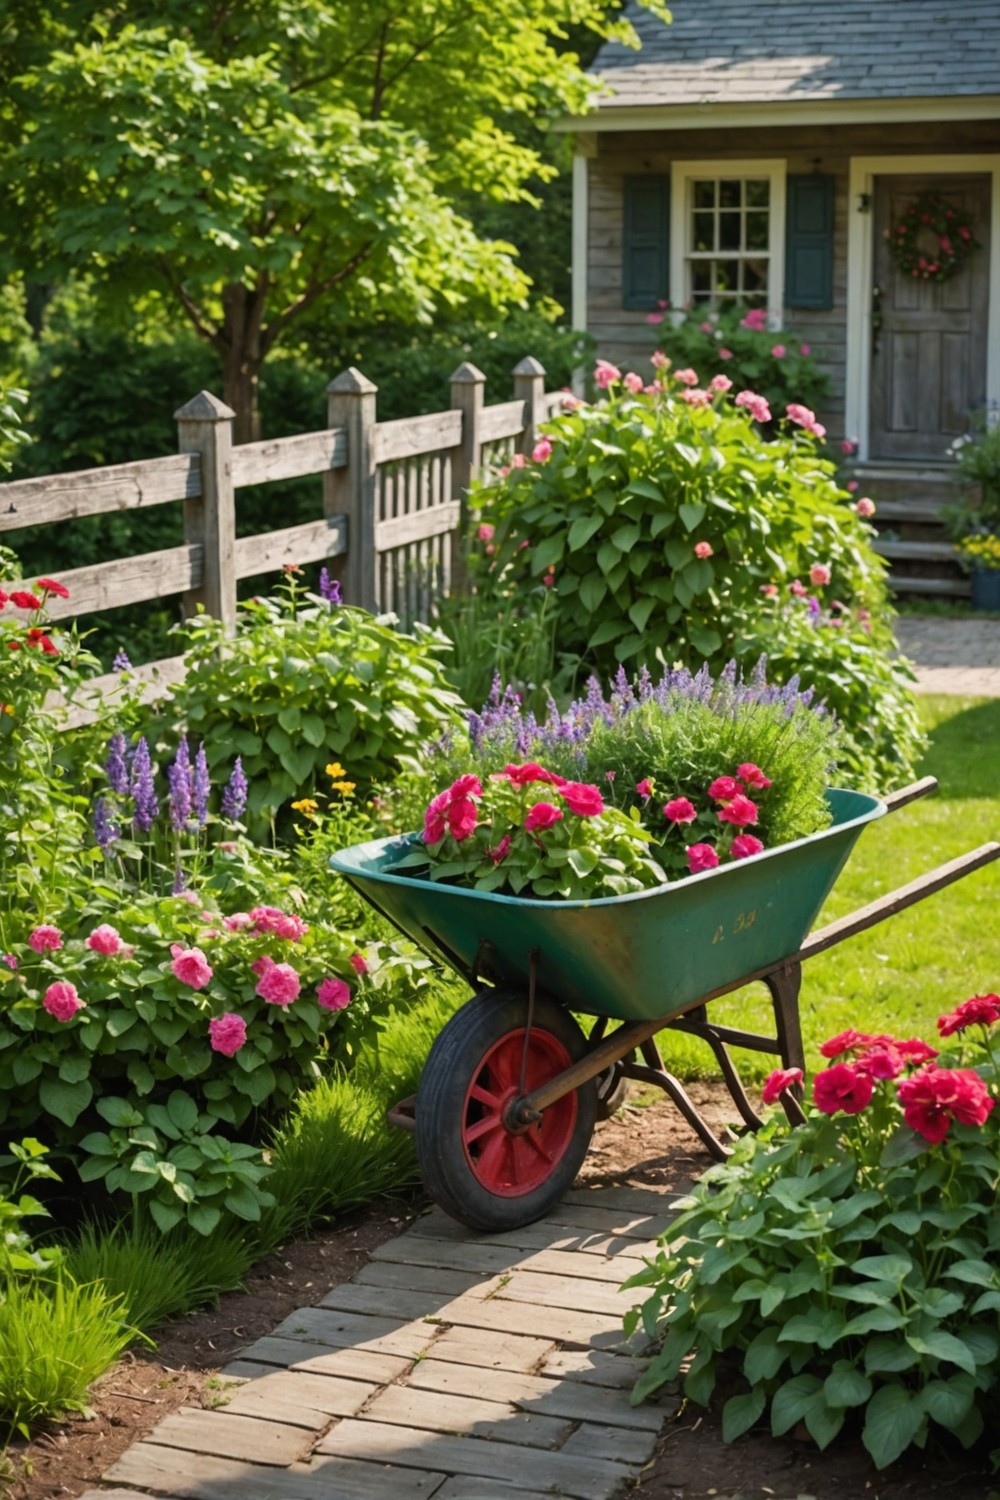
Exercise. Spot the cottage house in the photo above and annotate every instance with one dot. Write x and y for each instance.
(772, 153)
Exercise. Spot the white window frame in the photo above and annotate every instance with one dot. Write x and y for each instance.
(683, 174)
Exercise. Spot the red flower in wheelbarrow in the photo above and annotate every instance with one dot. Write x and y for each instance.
(740, 811)
(453, 811)
(542, 815)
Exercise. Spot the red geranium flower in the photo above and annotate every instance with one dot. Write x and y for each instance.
(25, 600)
(932, 1098)
(778, 1081)
(582, 798)
(739, 812)
(50, 586)
(38, 638)
(753, 777)
(725, 788)
(542, 815)
(531, 771)
(846, 1041)
(981, 1010)
(680, 810)
(841, 1088)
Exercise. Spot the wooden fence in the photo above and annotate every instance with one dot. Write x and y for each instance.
(393, 497)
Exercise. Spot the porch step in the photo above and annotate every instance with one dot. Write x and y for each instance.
(915, 551)
(911, 504)
(952, 588)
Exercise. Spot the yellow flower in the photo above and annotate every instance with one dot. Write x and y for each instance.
(345, 788)
(335, 770)
(307, 805)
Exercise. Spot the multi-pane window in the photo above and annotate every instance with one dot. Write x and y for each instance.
(728, 240)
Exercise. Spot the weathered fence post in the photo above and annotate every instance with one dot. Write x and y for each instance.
(351, 404)
(529, 387)
(467, 388)
(205, 427)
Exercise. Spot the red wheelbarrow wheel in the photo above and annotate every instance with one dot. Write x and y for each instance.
(478, 1169)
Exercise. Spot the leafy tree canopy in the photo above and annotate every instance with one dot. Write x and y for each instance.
(249, 159)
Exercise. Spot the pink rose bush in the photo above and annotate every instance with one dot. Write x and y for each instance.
(873, 1208)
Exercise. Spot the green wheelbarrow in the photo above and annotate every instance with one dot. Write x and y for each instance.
(514, 1084)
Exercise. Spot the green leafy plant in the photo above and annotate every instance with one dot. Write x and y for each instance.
(846, 1270)
(977, 453)
(18, 1255)
(306, 682)
(736, 342)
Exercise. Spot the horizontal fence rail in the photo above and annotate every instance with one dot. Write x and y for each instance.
(394, 498)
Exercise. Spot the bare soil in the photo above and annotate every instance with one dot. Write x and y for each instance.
(647, 1146)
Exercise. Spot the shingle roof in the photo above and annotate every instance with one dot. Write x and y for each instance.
(757, 51)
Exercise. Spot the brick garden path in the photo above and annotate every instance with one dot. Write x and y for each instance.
(952, 656)
(454, 1365)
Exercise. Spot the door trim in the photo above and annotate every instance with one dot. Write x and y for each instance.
(860, 274)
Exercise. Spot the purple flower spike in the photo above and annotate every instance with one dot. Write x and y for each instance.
(201, 786)
(180, 781)
(234, 797)
(106, 830)
(145, 805)
(329, 587)
(180, 884)
(121, 662)
(115, 768)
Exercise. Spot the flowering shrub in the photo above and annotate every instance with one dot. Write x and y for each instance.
(724, 767)
(848, 1268)
(666, 523)
(306, 681)
(981, 550)
(241, 1007)
(736, 342)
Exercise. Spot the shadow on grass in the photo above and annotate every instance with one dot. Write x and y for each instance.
(964, 752)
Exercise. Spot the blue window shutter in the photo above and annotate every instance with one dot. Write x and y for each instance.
(646, 243)
(809, 241)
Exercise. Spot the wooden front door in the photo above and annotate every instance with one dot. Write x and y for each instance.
(928, 337)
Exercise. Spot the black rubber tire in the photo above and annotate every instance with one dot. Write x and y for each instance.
(453, 1064)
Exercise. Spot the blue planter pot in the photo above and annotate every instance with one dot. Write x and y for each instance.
(986, 588)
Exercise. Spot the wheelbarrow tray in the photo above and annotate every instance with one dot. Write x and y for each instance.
(634, 957)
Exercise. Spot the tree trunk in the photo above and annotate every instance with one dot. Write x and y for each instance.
(242, 358)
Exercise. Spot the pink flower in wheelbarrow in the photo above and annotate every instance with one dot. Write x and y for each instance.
(104, 940)
(582, 798)
(358, 963)
(227, 1034)
(530, 771)
(333, 994)
(745, 845)
(680, 810)
(62, 1001)
(45, 938)
(453, 811)
(934, 1097)
(542, 815)
(842, 1088)
(190, 966)
(740, 811)
(725, 788)
(279, 984)
(753, 777)
(981, 1010)
(776, 1083)
(701, 857)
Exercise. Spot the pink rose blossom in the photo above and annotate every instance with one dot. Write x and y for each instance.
(518, 461)
(570, 402)
(227, 1034)
(606, 374)
(804, 348)
(358, 963)
(238, 922)
(680, 810)
(778, 1081)
(851, 485)
(10, 959)
(659, 360)
(725, 354)
(633, 382)
(499, 852)
(720, 383)
(104, 940)
(745, 845)
(686, 377)
(756, 319)
(819, 575)
(279, 985)
(778, 351)
(755, 405)
(542, 815)
(45, 938)
(282, 924)
(769, 590)
(706, 327)
(486, 532)
(806, 419)
(865, 508)
(725, 788)
(753, 777)
(541, 451)
(333, 994)
(62, 1001)
(701, 857)
(739, 812)
(262, 964)
(797, 588)
(703, 549)
(582, 798)
(697, 397)
(654, 317)
(190, 966)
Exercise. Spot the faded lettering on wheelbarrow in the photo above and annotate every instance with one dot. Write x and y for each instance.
(744, 920)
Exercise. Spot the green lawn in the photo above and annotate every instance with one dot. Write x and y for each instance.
(902, 974)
